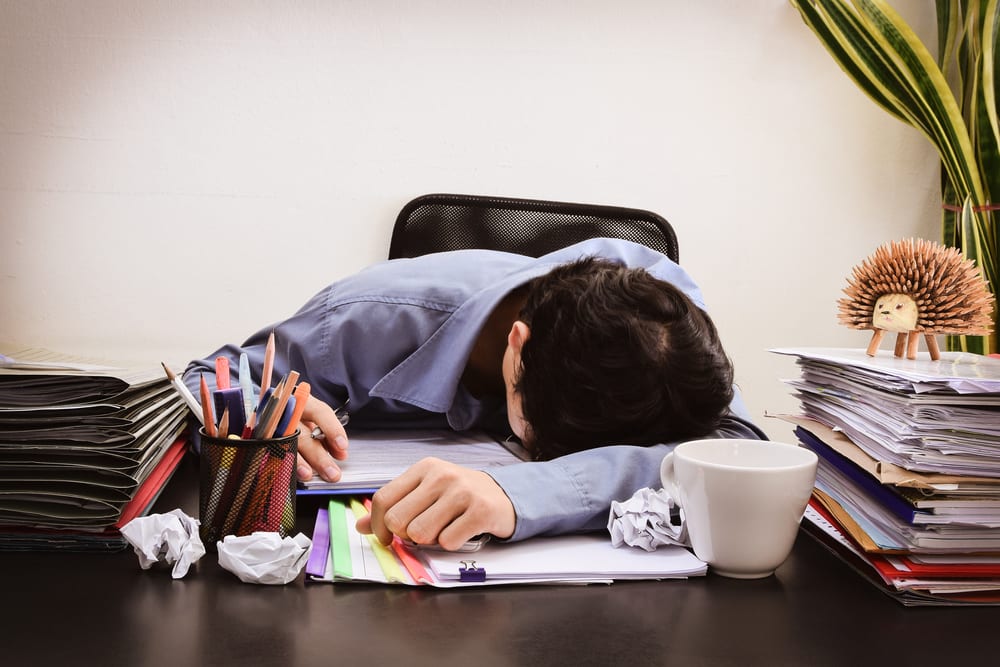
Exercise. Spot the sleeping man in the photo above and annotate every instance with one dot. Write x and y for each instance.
(599, 357)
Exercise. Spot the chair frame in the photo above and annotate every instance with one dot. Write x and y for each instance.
(398, 240)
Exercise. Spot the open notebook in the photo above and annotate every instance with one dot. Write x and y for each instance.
(341, 554)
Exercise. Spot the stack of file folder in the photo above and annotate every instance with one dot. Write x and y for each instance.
(340, 554)
(908, 485)
(84, 449)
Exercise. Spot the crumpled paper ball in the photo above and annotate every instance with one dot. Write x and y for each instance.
(645, 521)
(264, 558)
(171, 538)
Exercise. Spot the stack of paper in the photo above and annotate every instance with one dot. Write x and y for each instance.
(908, 484)
(379, 456)
(341, 554)
(84, 448)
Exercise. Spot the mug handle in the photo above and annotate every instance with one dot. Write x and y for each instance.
(668, 479)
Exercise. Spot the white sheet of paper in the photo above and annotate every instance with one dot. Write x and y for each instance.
(377, 457)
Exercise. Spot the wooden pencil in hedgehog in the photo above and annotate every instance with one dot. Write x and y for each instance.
(916, 287)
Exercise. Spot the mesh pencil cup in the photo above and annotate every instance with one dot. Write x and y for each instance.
(246, 486)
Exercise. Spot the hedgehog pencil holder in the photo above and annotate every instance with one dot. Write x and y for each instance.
(916, 287)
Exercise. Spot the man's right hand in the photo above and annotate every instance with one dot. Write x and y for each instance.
(320, 455)
(437, 502)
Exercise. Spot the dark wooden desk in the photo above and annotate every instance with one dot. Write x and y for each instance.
(61, 609)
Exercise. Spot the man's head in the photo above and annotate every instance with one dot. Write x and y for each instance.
(605, 355)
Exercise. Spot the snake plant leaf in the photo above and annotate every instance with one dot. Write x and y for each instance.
(866, 43)
(975, 245)
(949, 20)
(991, 29)
(986, 128)
(847, 59)
(921, 71)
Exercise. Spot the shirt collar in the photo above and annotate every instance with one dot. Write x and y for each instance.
(429, 378)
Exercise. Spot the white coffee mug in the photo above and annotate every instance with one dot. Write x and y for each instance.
(741, 500)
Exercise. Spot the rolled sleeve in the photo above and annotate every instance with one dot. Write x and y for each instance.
(573, 493)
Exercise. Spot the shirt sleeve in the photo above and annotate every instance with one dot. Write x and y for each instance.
(573, 493)
(327, 342)
(343, 342)
(296, 338)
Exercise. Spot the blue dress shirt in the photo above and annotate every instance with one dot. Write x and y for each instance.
(394, 338)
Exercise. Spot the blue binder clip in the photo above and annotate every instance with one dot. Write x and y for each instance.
(469, 571)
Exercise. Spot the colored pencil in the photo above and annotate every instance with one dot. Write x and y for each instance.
(185, 393)
(206, 408)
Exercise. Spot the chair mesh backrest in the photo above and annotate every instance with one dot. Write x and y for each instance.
(436, 223)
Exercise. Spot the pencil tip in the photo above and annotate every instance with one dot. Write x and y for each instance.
(170, 373)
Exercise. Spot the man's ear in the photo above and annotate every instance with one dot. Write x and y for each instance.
(519, 334)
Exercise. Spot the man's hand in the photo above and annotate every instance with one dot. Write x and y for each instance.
(439, 502)
(319, 454)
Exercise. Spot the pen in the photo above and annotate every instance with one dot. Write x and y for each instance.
(301, 395)
(281, 495)
(287, 384)
(185, 393)
(226, 463)
(268, 402)
(244, 492)
(246, 384)
(342, 416)
(285, 418)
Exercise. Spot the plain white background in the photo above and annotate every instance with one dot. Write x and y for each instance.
(176, 174)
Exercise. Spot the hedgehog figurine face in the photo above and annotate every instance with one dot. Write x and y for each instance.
(915, 287)
(895, 312)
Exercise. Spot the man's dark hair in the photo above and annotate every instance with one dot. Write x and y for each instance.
(616, 357)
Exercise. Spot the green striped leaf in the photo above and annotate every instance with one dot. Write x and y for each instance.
(922, 73)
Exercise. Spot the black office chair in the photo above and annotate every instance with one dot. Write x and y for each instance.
(440, 222)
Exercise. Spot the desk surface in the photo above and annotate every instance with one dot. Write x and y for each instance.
(104, 610)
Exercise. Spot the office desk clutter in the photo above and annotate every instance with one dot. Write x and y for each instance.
(173, 539)
(340, 554)
(915, 288)
(742, 500)
(247, 486)
(85, 447)
(264, 557)
(648, 520)
(247, 470)
(908, 485)
(380, 455)
(248, 452)
(170, 538)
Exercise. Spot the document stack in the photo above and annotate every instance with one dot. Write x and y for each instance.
(84, 448)
(340, 554)
(908, 486)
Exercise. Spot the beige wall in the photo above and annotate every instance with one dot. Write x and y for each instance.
(163, 164)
